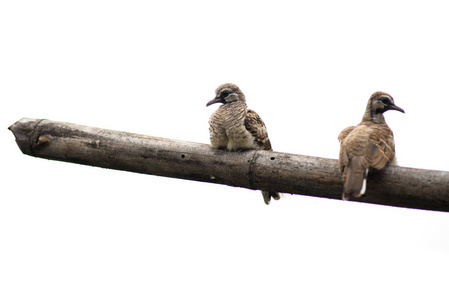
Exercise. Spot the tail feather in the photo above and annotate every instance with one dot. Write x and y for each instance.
(268, 195)
(354, 179)
(365, 175)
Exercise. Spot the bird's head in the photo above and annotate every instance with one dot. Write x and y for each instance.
(381, 102)
(378, 103)
(227, 93)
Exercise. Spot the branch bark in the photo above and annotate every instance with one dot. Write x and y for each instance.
(254, 169)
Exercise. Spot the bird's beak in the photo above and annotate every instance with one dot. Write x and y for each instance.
(215, 100)
(394, 107)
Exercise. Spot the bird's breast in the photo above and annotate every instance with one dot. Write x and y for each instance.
(230, 120)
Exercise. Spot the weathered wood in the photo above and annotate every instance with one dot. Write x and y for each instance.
(288, 173)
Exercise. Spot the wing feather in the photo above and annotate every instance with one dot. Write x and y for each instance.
(257, 128)
(380, 150)
(369, 146)
(345, 132)
(343, 159)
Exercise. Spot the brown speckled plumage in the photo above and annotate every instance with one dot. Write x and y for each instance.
(234, 127)
(370, 144)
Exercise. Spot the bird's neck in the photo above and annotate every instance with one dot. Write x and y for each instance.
(234, 110)
(373, 116)
(234, 105)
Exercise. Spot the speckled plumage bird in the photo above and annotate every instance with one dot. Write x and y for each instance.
(234, 127)
(370, 144)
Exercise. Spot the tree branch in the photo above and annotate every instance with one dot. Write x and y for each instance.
(253, 169)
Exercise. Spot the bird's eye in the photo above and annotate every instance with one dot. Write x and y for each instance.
(224, 94)
(385, 100)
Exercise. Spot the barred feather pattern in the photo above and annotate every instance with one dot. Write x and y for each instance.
(234, 127)
(368, 145)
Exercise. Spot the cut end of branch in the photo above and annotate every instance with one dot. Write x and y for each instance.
(23, 131)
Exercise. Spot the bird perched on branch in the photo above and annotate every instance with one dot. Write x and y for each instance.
(370, 144)
(234, 127)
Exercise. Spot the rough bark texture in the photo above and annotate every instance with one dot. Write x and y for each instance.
(253, 169)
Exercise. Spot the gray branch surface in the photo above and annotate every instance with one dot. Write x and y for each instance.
(253, 169)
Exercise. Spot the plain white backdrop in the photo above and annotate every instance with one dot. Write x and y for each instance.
(307, 67)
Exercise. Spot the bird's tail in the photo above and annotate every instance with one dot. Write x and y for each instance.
(268, 195)
(354, 179)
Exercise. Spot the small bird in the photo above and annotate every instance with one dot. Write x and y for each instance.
(370, 144)
(234, 127)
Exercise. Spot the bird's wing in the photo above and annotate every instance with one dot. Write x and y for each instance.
(343, 158)
(380, 150)
(255, 125)
(353, 161)
(369, 145)
(344, 133)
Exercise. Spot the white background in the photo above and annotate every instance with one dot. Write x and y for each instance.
(307, 67)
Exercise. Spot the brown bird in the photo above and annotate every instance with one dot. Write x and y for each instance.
(234, 127)
(370, 144)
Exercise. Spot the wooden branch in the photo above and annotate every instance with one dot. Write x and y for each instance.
(254, 169)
